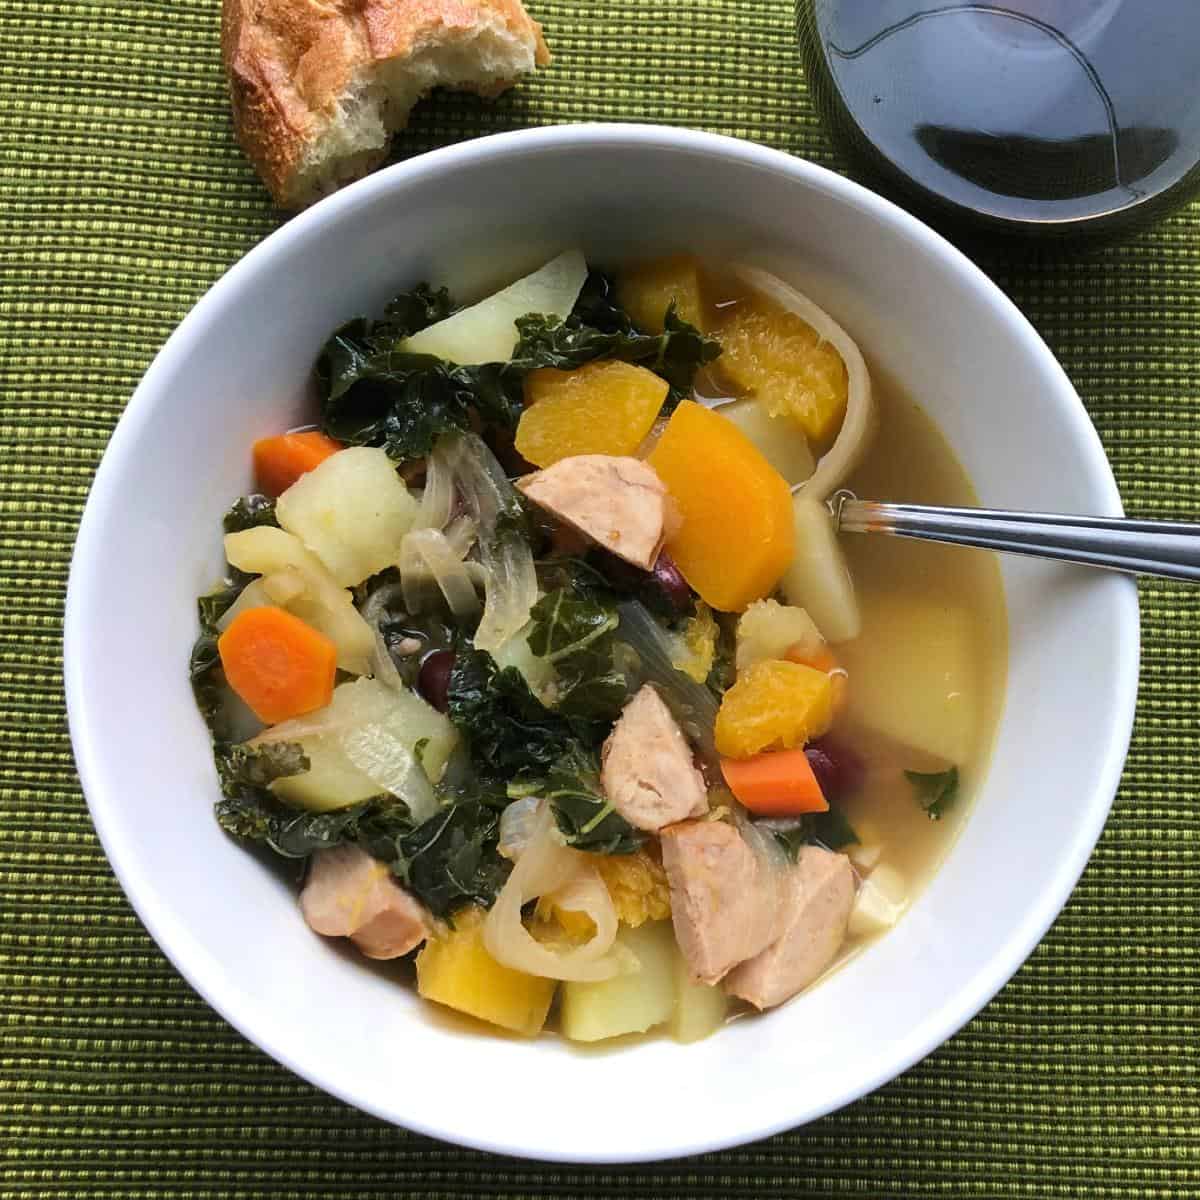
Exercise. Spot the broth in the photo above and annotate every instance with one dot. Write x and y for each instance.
(927, 672)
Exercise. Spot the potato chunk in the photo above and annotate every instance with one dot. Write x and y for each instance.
(630, 1003)
(487, 331)
(352, 512)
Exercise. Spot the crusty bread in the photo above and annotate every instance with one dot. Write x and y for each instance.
(319, 86)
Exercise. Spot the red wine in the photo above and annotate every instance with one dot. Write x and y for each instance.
(1035, 116)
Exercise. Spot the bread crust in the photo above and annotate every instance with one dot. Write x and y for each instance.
(290, 62)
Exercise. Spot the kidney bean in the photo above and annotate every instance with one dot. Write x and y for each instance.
(433, 681)
(667, 577)
(838, 769)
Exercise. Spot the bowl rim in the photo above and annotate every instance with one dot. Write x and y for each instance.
(86, 565)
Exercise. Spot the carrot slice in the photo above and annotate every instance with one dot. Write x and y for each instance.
(280, 666)
(780, 783)
(279, 461)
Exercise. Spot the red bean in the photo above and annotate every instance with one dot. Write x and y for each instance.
(670, 581)
(433, 682)
(838, 769)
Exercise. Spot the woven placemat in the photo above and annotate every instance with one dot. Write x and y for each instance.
(122, 198)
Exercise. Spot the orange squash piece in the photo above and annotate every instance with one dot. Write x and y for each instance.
(279, 665)
(736, 536)
(773, 704)
(599, 408)
(646, 291)
(778, 358)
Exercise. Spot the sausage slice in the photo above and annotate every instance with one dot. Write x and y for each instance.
(350, 894)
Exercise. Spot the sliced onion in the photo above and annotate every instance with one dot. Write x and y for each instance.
(253, 595)
(390, 764)
(460, 535)
(437, 500)
(774, 866)
(549, 869)
(517, 823)
(378, 604)
(370, 727)
(859, 422)
(506, 557)
(428, 559)
(315, 724)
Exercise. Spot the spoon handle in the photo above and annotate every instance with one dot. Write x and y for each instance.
(1170, 549)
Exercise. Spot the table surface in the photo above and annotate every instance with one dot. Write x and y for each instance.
(122, 198)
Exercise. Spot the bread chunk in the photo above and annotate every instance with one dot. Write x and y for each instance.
(318, 87)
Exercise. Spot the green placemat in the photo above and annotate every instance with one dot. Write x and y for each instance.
(122, 198)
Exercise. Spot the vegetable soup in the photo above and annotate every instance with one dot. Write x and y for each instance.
(542, 656)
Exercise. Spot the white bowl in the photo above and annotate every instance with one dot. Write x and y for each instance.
(472, 216)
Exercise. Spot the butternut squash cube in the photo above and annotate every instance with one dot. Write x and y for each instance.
(456, 970)
(646, 291)
(736, 536)
(600, 408)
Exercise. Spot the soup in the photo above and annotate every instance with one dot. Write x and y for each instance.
(945, 606)
(543, 655)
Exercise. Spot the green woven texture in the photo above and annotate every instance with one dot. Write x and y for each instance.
(122, 198)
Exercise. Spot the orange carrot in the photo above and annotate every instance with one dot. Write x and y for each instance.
(280, 666)
(779, 783)
(279, 461)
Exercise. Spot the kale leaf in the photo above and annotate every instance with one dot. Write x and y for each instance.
(452, 859)
(374, 393)
(258, 816)
(936, 791)
(242, 767)
(830, 829)
(249, 810)
(204, 664)
(509, 729)
(565, 625)
(449, 860)
(410, 312)
(377, 395)
(675, 354)
(585, 817)
(249, 512)
(573, 628)
(682, 347)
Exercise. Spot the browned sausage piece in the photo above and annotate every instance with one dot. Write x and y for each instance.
(648, 773)
(618, 502)
(817, 905)
(722, 900)
(350, 894)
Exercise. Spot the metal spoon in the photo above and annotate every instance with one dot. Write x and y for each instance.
(1169, 549)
